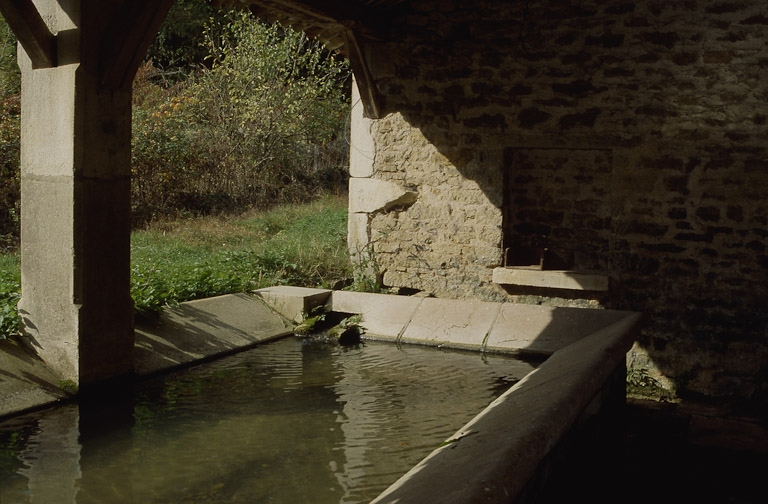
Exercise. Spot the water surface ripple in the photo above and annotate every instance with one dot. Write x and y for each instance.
(289, 422)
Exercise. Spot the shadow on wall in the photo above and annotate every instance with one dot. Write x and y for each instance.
(620, 144)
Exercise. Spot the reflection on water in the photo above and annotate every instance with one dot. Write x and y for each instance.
(289, 422)
(51, 458)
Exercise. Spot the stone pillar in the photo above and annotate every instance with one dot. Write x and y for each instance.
(361, 155)
(369, 196)
(76, 307)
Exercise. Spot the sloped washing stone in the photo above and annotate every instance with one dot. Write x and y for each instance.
(206, 328)
(451, 323)
(25, 381)
(384, 317)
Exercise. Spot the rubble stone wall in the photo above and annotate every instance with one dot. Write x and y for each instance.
(632, 133)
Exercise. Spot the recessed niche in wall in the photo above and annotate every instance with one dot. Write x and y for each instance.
(556, 213)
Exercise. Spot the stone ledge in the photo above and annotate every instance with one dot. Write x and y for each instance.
(472, 324)
(293, 303)
(385, 317)
(551, 279)
(451, 323)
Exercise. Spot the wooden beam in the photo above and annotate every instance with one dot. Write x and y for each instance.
(322, 12)
(369, 94)
(31, 32)
(127, 39)
(367, 22)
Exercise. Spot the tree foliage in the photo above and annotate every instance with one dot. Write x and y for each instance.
(10, 112)
(262, 123)
(229, 112)
(177, 50)
(10, 76)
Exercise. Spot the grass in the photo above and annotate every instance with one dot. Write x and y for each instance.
(174, 261)
(10, 291)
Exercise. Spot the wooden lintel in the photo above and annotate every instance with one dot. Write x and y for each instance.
(31, 32)
(369, 94)
(127, 39)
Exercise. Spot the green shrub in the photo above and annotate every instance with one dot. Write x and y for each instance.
(162, 153)
(10, 182)
(10, 75)
(176, 50)
(10, 293)
(263, 124)
(10, 110)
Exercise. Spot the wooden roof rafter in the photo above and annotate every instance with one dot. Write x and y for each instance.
(369, 93)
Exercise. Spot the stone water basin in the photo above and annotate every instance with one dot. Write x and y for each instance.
(498, 455)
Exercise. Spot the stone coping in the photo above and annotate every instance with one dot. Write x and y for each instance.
(472, 324)
(494, 456)
(209, 328)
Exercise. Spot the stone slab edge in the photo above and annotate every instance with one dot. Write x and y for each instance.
(492, 458)
(471, 324)
(385, 317)
(452, 323)
(551, 279)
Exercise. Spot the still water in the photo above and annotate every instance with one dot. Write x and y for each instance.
(289, 422)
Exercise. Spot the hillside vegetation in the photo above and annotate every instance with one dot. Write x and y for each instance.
(260, 121)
